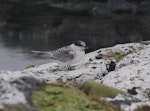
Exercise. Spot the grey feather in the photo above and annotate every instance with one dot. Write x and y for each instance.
(41, 54)
(67, 55)
(63, 54)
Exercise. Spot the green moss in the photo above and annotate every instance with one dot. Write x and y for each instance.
(80, 97)
(58, 97)
(100, 90)
(17, 107)
(29, 66)
(55, 97)
(120, 57)
(143, 108)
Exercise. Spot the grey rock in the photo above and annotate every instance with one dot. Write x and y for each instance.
(17, 86)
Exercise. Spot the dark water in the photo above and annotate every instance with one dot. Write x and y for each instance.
(15, 50)
(51, 24)
(18, 39)
(14, 57)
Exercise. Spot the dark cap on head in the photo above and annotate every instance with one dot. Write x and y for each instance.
(80, 43)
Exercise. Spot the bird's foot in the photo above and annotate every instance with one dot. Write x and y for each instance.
(69, 67)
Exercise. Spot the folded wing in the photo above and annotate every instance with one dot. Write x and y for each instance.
(63, 54)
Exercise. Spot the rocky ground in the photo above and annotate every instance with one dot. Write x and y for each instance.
(121, 74)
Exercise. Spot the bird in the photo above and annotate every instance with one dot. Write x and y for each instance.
(67, 55)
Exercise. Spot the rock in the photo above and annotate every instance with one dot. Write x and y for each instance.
(111, 66)
(27, 85)
(132, 75)
(132, 91)
(99, 56)
(9, 94)
(17, 86)
(122, 100)
(147, 92)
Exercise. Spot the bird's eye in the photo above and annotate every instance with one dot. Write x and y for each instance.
(80, 43)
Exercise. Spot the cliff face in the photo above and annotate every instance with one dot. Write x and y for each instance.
(100, 23)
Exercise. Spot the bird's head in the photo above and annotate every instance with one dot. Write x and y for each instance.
(80, 45)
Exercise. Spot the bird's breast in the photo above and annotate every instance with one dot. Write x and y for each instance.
(79, 55)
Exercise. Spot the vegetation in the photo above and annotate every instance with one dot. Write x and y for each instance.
(120, 57)
(58, 97)
(100, 90)
(29, 66)
(72, 97)
(17, 107)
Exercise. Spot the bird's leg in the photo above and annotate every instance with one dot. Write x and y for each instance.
(69, 67)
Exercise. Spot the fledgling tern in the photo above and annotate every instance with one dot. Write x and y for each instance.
(67, 55)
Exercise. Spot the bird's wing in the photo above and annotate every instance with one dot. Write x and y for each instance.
(63, 54)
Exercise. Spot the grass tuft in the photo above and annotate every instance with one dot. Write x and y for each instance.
(120, 57)
(17, 107)
(30, 66)
(100, 90)
(59, 97)
(56, 97)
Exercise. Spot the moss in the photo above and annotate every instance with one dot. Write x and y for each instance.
(120, 57)
(29, 66)
(118, 81)
(75, 97)
(17, 107)
(143, 108)
(55, 97)
(100, 90)
(96, 90)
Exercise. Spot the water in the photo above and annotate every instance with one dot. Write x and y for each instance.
(15, 53)
(15, 50)
(16, 42)
(16, 58)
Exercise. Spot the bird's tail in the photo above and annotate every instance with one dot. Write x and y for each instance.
(43, 54)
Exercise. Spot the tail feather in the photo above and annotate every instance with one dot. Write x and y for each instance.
(42, 54)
